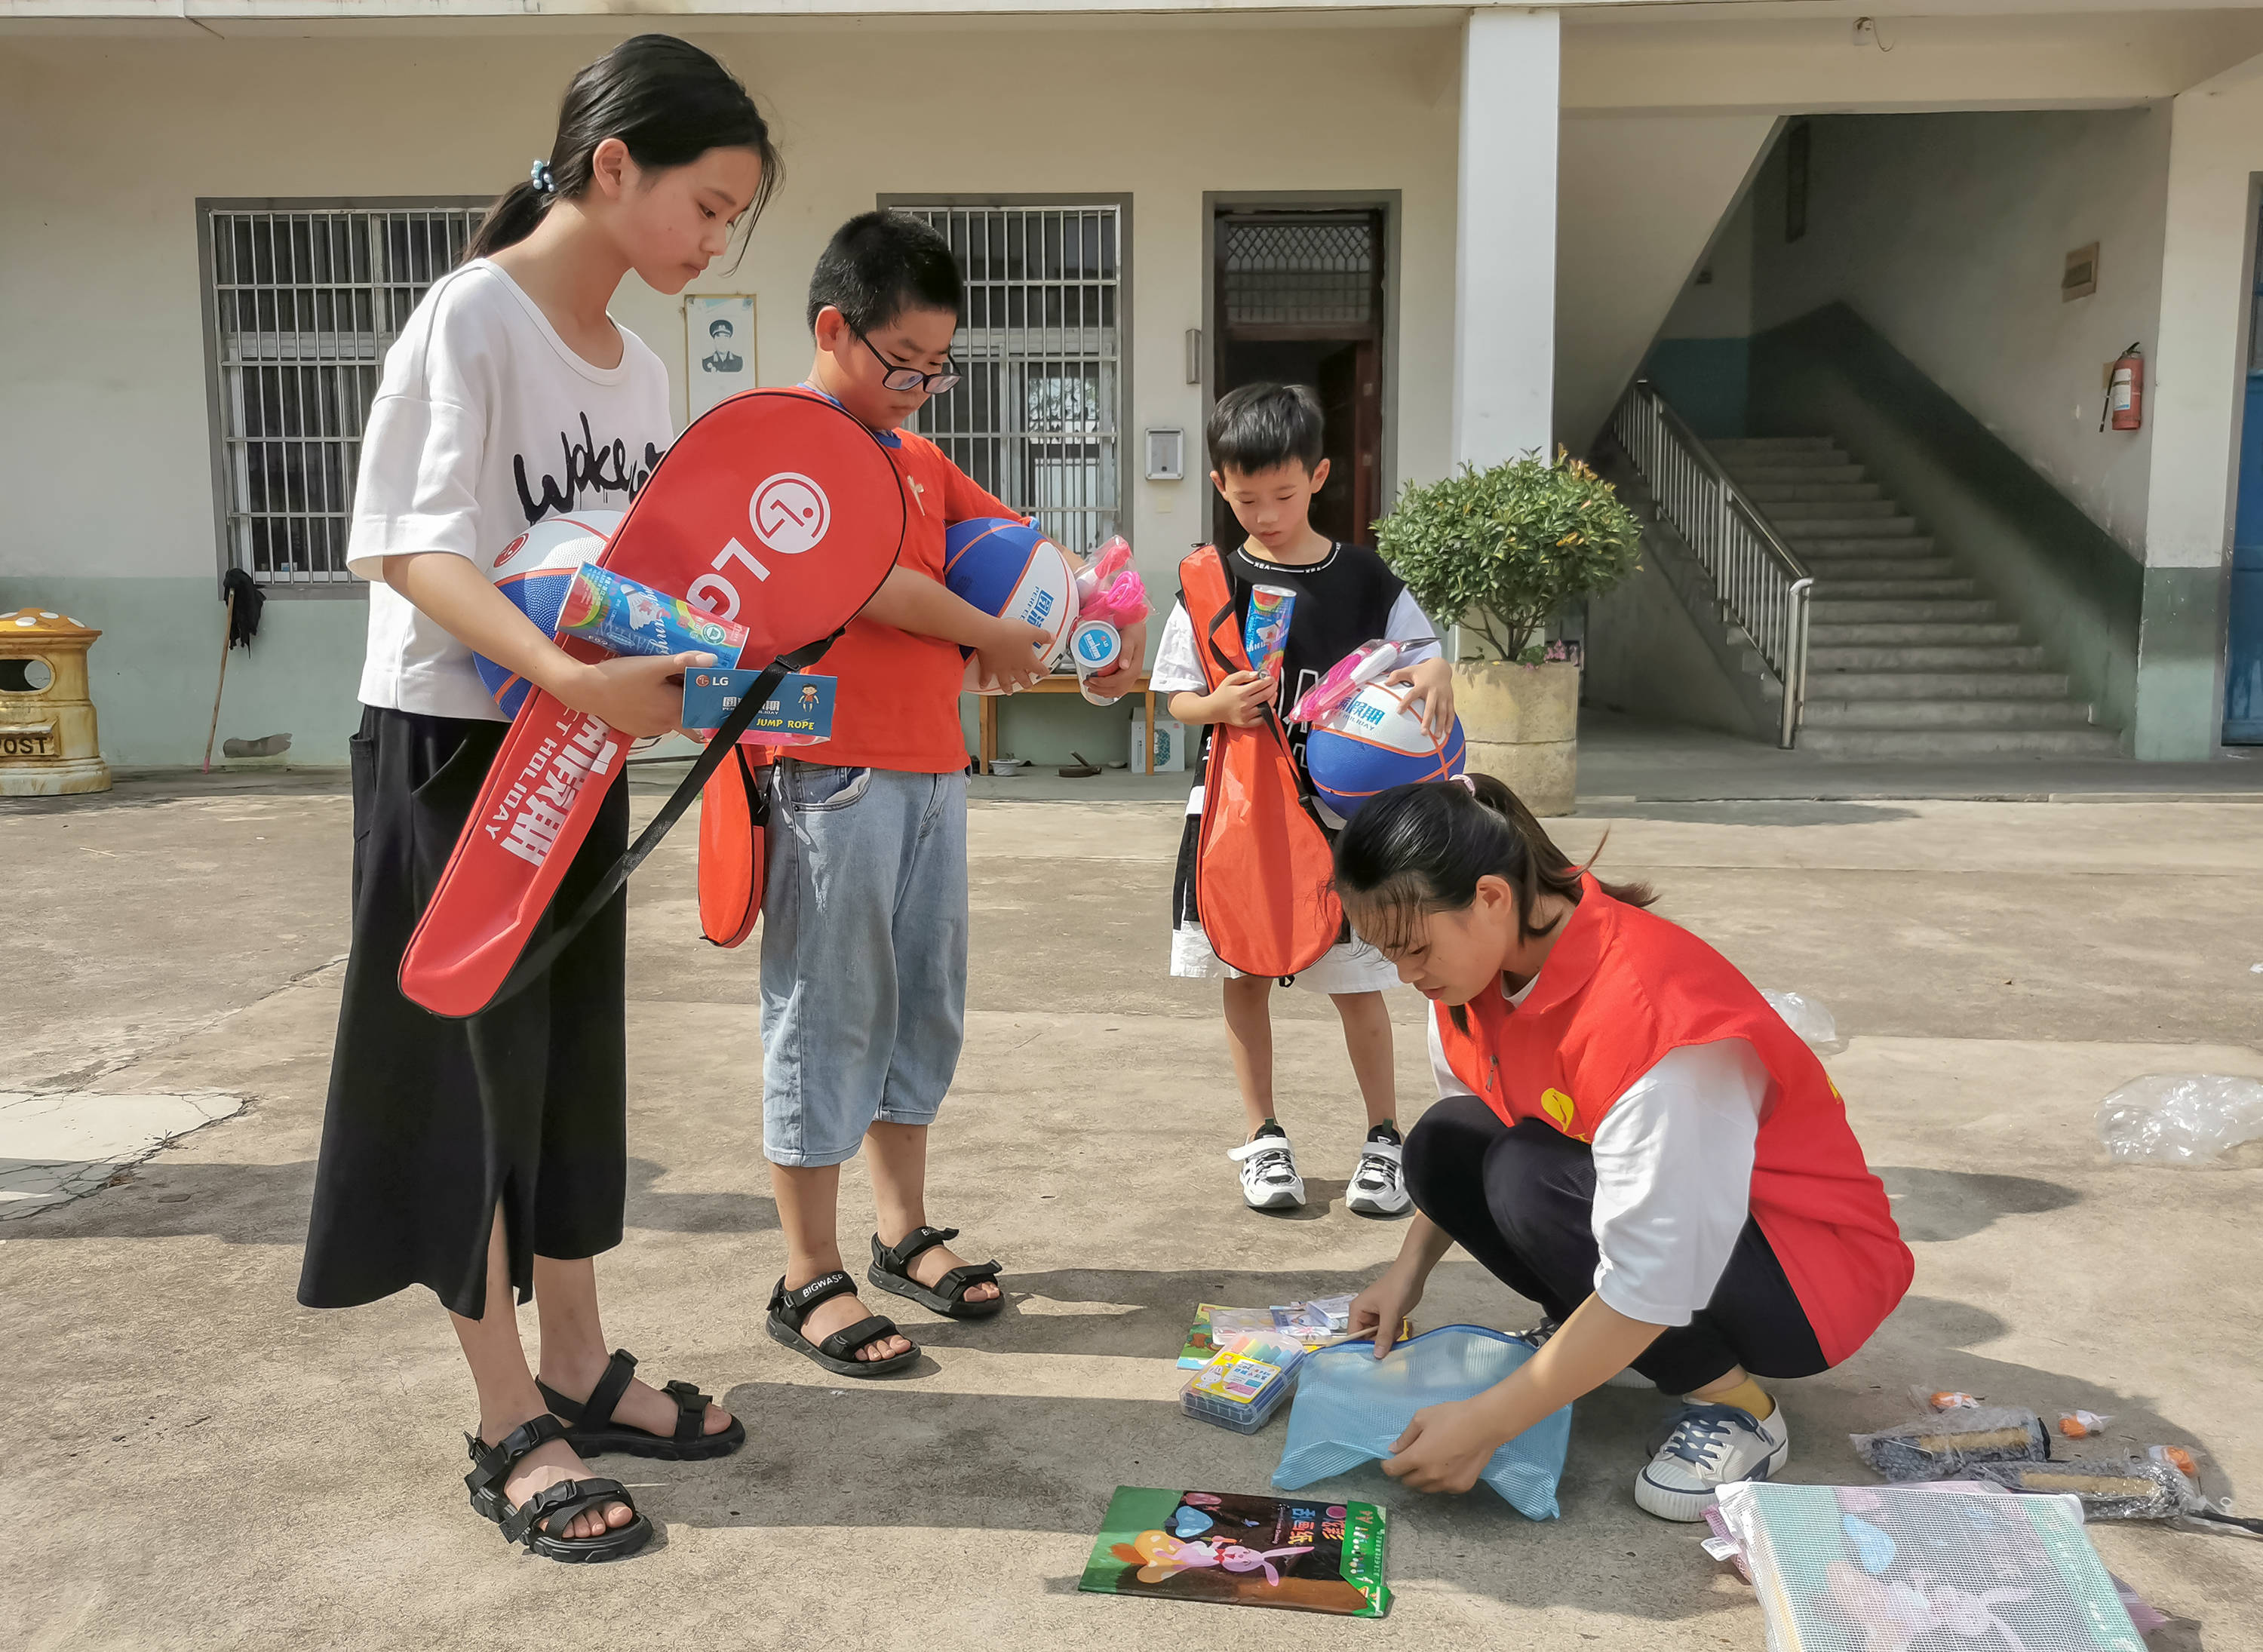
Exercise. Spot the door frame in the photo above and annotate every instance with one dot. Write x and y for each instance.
(1385, 201)
(2250, 273)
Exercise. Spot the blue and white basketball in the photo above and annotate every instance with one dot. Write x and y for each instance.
(1005, 568)
(534, 571)
(1373, 742)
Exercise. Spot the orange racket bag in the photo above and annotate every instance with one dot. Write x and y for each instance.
(734, 811)
(1264, 873)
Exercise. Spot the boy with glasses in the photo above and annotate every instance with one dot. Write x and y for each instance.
(865, 914)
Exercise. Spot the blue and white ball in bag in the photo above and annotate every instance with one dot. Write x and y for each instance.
(1374, 741)
(1011, 569)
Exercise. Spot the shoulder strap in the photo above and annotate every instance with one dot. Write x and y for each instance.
(724, 744)
(1206, 592)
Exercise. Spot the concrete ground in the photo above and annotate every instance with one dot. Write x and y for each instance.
(194, 1461)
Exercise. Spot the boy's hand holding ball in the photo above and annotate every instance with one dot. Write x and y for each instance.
(1431, 682)
(1014, 657)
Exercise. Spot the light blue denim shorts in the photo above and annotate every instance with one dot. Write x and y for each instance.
(863, 955)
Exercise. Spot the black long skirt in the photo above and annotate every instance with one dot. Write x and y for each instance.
(433, 1123)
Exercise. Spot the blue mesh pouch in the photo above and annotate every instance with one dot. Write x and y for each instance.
(1351, 1406)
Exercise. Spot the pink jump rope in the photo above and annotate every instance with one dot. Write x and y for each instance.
(1369, 662)
(1109, 596)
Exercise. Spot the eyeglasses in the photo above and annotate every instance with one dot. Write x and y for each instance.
(900, 379)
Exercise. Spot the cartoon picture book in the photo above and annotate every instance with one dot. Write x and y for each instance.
(1925, 1569)
(1294, 1554)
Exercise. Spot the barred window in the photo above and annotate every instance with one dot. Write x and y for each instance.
(1309, 271)
(302, 301)
(1039, 419)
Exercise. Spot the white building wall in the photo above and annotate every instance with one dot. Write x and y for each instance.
(2198, 401)
(1948, 233)
(1721, 308)
(1642, 197)
(102, 382)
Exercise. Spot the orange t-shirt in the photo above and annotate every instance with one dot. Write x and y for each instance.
(895, 696)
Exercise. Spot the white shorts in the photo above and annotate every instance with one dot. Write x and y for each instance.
(1351, 966)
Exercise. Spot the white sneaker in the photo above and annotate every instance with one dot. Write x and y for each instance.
(1379, 1188)
(1268, 1174)
(1711, 1446)
(1628, 1377)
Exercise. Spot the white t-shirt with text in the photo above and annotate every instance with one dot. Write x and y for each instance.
(485, 423)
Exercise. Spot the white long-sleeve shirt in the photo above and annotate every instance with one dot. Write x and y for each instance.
(1674, 1174)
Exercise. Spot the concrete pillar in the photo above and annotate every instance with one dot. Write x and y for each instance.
(2197, 375)
(1505, 237)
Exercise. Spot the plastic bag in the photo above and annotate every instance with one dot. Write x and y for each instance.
(2083, 1424)
(1351, 1406)
(1937, 1447)
(1245, 1383)
(2180, 1118)
(2118, 1488)
(1923, 1569)
(1944, 1399)
(2184, 1459)
(1723, 1546)
(1805, 1016)
(1228, 1323)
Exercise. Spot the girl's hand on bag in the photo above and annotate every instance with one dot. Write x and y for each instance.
(1014, 656)
(1431, 682)
(1241, 699)
(1379, 1311)
(638, 696)
(1446, 1447)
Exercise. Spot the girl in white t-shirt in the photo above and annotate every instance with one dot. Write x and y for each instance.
(486, 1158)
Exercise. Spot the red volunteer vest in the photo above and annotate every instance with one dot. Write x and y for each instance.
(1622, 988)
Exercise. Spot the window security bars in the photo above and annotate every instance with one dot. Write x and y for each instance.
(1039, 418)
(1307, 271)
(303, 303)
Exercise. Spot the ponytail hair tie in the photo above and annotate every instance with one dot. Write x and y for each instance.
(1466, 784)
(539, 175)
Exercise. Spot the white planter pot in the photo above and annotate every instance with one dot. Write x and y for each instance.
(1522, 726)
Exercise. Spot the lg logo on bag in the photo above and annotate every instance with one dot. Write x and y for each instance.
(789, 514)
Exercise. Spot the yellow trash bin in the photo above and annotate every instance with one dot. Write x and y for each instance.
(47, 742)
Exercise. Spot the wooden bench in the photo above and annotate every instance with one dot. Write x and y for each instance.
(1058, 683)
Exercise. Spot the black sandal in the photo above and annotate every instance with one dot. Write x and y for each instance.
(891, 1271)
(837, 1353)
(591, 1429)
(555, 1505)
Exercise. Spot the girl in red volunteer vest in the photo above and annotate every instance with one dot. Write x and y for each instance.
(1626, 1134)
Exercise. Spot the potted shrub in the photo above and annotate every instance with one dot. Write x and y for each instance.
(1499, 552)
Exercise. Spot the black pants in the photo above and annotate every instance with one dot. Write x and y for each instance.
(1522, 1200)
(433, 1125)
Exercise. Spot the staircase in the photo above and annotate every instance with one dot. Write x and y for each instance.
(1907, 657)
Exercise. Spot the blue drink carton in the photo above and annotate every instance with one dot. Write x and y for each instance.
(629, 617)
(1265, 631)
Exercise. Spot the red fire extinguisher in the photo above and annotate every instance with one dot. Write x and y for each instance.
(2125, 392)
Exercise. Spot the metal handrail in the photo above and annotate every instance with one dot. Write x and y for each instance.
(1761, 584)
